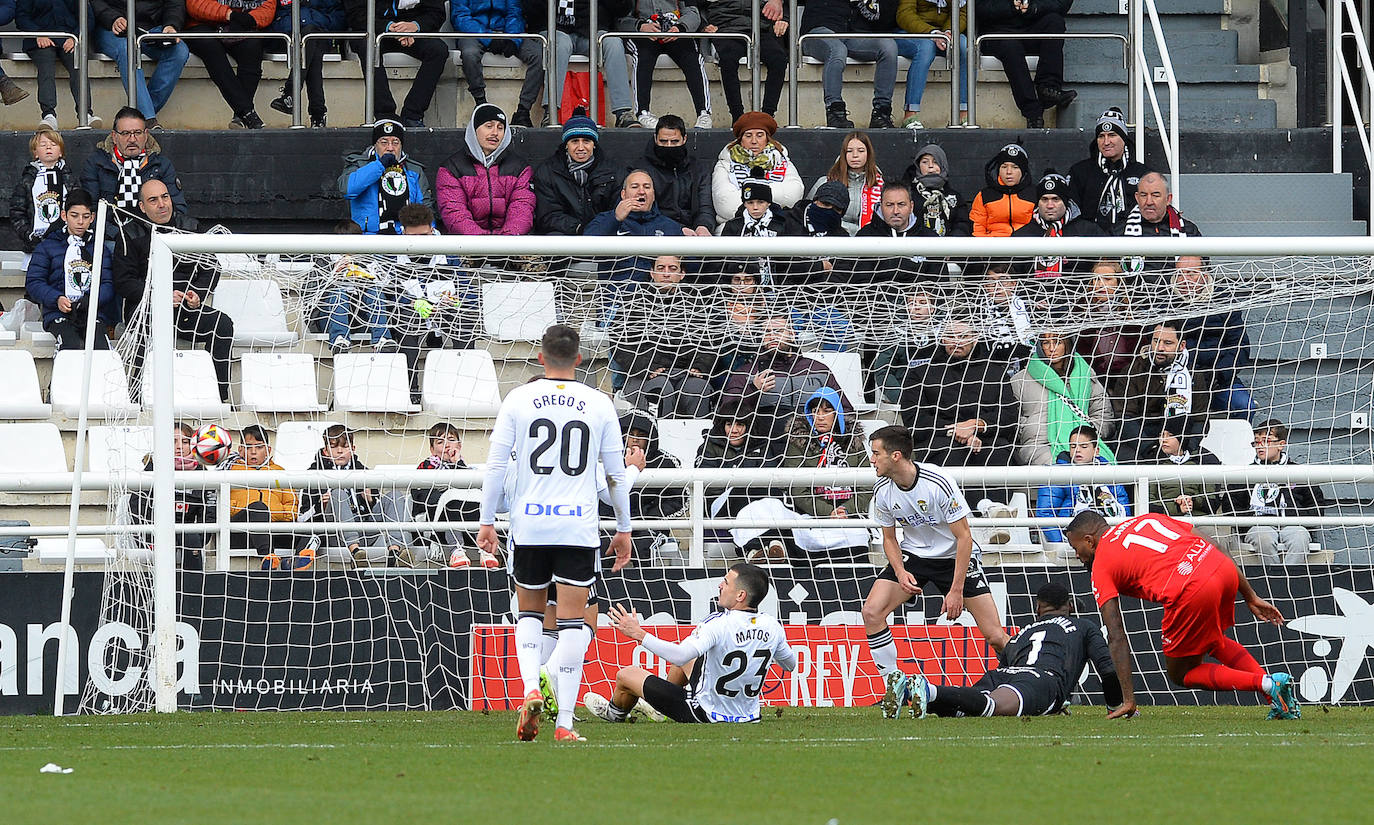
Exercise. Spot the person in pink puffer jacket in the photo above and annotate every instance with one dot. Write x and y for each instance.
(483, 189)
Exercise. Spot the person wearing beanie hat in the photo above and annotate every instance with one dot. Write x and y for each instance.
(667, 17)
(484, 188)
(403, 17)
(759, 217)
(575, 183)
(754, 147)
(1104, 183)
(1047, 90)
(498, 17)
(1005, 204)
(938, 204)
(1057, 216)
(380, 180)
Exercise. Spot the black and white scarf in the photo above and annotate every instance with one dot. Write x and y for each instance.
(1112, 201)
(1135, 223)
(393, 192)
(869, 10)
(758, 227)
(130, 180)
(1178, 385)
(567, 15)
(47, 196)
(936, 207)
(1100, 498)
(1182, 458)
(76, 269)
(1269, 499)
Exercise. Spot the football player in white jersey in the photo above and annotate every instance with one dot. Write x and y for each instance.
(718, 671)
(935, 549)
(552, 431)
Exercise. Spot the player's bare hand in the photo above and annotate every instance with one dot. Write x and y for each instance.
(1126, 710)
(486, 539)
(953, 607)
(839, 512)
(620, 548)
(908, 583)
(627, 622)
(1265, 611)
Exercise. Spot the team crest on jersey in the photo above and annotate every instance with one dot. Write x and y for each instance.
(922, 505)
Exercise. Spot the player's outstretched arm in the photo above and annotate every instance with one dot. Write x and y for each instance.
(1120, 648)
(627, 622)
(1263, 610)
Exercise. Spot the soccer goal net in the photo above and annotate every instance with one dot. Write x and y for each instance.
(323, 555)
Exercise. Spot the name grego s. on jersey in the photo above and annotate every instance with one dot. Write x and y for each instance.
(550, 433)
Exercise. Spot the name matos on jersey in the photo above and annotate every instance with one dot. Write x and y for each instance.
(738, 647)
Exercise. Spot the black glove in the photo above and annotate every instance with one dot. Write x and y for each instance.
(241, 21)
(388, 160)
(503, 46)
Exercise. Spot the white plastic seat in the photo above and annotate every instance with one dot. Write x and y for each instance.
(109, 394)
(1229, 439)
(867, 427)
(460, 383)
(518, 310)
(682, 437)
(848, 373)
(278, 382)
(19, 377)
(195, 389)
(32, 447)
(298, 442)
(118, 448)
(372, 382)
(89, 550)
(258, 312)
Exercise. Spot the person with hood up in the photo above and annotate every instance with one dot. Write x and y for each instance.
(682, 181)
(754, 147)
(484, 188)
(641, 432)
(1068, 500)
(1163, 382)
(381, 179)
(576, 183)
(823, 215)
(938, 204)
(1104, 183)
(1057, 392)
(1176, 441)
(856, 167)
(1006, 204)
(822, 437)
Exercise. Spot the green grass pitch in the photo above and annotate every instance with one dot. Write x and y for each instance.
(1209, 765)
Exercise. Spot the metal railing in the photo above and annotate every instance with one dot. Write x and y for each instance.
(377, 54)
(749, 49)
(1126, 53)
(949, 42)
(1347, 24)
(1169, 136)
(194, 35)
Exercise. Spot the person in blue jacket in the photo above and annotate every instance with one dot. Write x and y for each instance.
(380, 180)
(316, 16)
(59, 277)
(498, 17)
(1067, 500)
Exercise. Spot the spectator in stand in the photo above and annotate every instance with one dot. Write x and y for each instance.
(1112, 341)
(856, 167)
(1287, 543)
(1218, 340)
(743, 306)
(316, 16)
(404, 17)
(10, 93)
(776, 383)
(822, 437)
(1008, 201)
(753, 147)
(1068, 500)
(736, 17)
(1056, 216)
(636, 213)
(732, 444)
(1163, 382)
(264, 506)
(36, 202)
(667, 17)
(444, 504)
(1104, 184)
(1176, 442)
(929, 17)
(571, 37)
(1026, 17)
(682, 182)
(190, 504)
(119, 165)
(897, 219)
(1004, 316)
(352, 506)
(641, 440)
(759, 217)
(484, 188)
(381, 179)
(195, 323)
(908, 345)
(498, 17)
(938, 205)
(433, 306)
(110, 27)
(841, 16)
(1154, 217)
(1057, 391)
(960, 404)
(46, 52)
(59, 277)
(351, 297)
(666, 344)
(823, 215)
(576, 183)
(238, 86)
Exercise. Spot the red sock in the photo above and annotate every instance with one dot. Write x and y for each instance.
(1234, 655)
(1220, 677)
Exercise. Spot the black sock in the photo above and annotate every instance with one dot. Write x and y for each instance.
(960, 701)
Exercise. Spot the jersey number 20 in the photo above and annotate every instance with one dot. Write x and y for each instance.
(735, 663)
(572, 458)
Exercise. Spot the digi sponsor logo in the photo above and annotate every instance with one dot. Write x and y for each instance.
(560, 510)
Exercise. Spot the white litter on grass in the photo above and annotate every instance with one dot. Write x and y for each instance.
(53, 767)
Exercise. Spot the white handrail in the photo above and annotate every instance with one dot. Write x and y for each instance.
(1168, 136)
(1364, 122)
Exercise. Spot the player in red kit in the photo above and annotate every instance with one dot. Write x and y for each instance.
(1163, 560)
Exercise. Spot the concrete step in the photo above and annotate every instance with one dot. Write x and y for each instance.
(1170, 10)
(1211, 107)
(1172, 24)
(1256, 229)
(1270, 197)
(1193, 80)
(1186, 47)
(1345, 327)
(1319, 394)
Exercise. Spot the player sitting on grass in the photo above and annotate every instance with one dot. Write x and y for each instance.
(1038, 668)
(1164, 560)
(718, 670)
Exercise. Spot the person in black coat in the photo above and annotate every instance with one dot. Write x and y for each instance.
(1103, 184)
(1047, 90)
(576, 183)
(894, 218)
(1057, 216)
(682, 182)
(36, 202)
(938, 205)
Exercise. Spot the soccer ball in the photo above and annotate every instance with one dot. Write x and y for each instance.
(212, 444)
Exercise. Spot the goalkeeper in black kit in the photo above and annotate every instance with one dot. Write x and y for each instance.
(1037, 670)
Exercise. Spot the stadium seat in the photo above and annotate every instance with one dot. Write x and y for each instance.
(32, 448)
(238, 265)
(195, 389)
(848, 373)
(518, 310)
(112, 449)
(372, 382)
(89, 550)
(278, 382)
(19, 377)
(867, 427)
(298, 442)
(460, 384)
(1229, 439)
(682, 437)
(109, 396)
(258, 312)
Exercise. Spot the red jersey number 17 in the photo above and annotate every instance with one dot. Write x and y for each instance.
(1134, 538)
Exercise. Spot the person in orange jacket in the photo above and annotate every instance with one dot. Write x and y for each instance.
(262, 505)
(1007, 203)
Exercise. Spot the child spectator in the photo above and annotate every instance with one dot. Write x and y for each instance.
(1177, 444)
(1007, 203)
(263, 506)
(856, 168)
(46, 52)
(938, 205)
(352, 506)
(484, 188)
(444, 504)
(1067, 500)
(352, 295)
(1285, 543)
(59, 277)
(190, 504)
(36, 203)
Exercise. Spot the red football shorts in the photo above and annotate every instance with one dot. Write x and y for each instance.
(1205, 610)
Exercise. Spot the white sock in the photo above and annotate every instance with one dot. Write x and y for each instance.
(528, 630)
(1267, 684)
(568, 657)
(883, 650)
(546, 646)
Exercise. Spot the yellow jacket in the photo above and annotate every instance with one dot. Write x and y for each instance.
(924, 17)
(283, 504)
